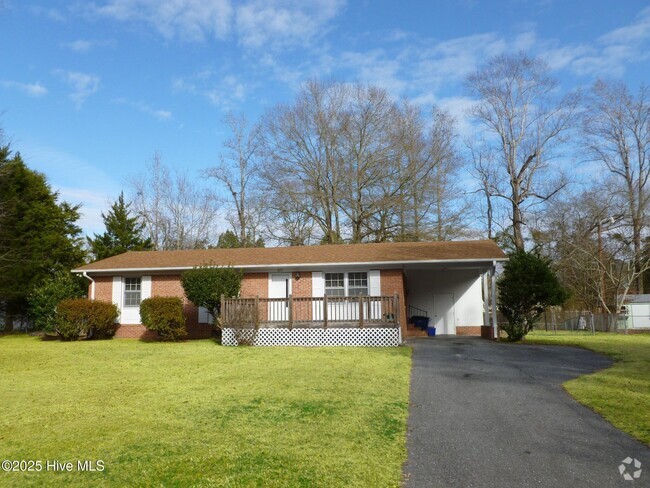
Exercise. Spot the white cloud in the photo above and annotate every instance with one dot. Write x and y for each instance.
(561, 57)
(82, 84)
(223, 92)
(255, 23)
(609, 54)
(376, 67)
(187, 19)
(634, 33)
(228, 90)
(83, 46)
(31, 89)
(145, 108)
(283, 22)
(425, 69)
(51, 13)
(420, 69)
(79, 46)
(458, 107)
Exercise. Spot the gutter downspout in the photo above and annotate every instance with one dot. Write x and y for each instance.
(92, 285)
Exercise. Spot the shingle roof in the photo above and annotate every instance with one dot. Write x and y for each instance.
(390, 252)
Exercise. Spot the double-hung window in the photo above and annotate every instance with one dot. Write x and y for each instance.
(132, 292)
(357, 284)
(348, 284)
(335, 284)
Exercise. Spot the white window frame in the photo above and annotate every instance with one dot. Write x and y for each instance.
(346, 282)
(138, 291)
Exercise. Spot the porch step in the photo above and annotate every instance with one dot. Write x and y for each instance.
(412, 331)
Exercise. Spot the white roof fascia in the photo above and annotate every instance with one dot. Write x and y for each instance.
(301, 265)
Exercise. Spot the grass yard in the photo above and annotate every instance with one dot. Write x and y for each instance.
(199, 414)
(621, 393)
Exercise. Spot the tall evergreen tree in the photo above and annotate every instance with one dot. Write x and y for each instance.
(123, 233)
(38, 235)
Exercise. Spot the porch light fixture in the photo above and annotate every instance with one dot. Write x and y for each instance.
(297, 276)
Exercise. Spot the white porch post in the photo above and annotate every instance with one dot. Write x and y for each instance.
(486, 299)
(494, 301)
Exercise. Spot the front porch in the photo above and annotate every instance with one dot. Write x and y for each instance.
(312, 321)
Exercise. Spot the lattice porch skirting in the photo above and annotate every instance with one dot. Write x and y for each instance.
(312, 337)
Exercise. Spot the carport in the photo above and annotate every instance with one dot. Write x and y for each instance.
(459, 297)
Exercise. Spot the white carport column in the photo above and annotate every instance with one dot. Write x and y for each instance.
(494, 301)
(486, 298)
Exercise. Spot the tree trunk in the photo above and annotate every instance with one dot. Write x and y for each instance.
(518, 237)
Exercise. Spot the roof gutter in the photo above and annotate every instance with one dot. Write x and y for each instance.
(487, 261)
(92, 285)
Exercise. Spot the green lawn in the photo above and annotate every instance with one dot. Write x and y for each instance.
(621, 393)
(199, 414)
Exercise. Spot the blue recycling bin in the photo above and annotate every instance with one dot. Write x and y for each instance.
(431, 331)
(420, 321)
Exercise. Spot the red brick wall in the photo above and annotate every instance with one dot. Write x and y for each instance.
(162, 286)
(255, 284)
(135, 332)
(103, 289)
(170, 286)
(392, 281)
(474, 330)
(301, 287)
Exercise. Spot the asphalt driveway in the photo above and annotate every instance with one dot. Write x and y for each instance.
(485, 414)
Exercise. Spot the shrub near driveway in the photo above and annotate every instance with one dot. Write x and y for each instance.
(199, 414)
(621, 393)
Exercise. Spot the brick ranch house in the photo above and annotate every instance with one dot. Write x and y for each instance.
(318, 294)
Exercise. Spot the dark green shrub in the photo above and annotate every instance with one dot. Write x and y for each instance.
(164, 315)
(45, 297)
(204, 285)
(68, 329)
(80, 316)
(527, 286)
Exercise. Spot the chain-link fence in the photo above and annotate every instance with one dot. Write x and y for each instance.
(595, 322)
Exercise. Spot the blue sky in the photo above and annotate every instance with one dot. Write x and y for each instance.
(90, 90)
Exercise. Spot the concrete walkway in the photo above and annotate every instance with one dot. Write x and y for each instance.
(485, 414)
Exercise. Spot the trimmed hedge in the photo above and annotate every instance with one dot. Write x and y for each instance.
(164, 315)
(80, 316)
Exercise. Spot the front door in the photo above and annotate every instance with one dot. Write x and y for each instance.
(279, 291)
(443, 313)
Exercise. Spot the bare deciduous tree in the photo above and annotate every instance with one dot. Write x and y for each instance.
(238, 170)
(448, 208)
(303, 159)
(482, 169)
(362, 166)
(524, 124)
(584, 236)
(366, 150)
(286, 221)
(176, 212)
(617, 133)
